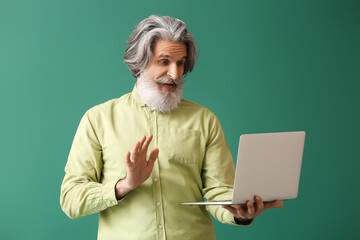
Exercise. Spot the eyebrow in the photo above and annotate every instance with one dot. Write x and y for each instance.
(168, 56)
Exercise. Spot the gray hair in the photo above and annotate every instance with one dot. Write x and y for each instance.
(141, 42)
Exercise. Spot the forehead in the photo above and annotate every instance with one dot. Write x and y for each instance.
(169, 48)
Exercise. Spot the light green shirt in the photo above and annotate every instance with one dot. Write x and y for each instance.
(194, 162)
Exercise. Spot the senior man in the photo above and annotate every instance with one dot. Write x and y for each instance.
(138, 193)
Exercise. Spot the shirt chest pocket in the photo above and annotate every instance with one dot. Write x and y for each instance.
(182, 145)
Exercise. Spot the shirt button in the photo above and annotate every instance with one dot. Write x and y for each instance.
(156, 179)
(152, 119)
(158, 203)
(160, 226)
(113, 202)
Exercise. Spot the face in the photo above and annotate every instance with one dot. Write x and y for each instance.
(160, 85)
(168, 61)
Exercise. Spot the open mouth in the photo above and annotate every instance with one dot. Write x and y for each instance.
(168, 86)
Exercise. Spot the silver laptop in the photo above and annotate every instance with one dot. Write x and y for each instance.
(268, 165)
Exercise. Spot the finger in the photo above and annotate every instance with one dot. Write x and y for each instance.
(250, 207)
(240, 210)
(127, 158)
(232, 210)
(274, 204)
(259, 204)
(134, 151)
(142, 140)
(152, 158)
(147, 142)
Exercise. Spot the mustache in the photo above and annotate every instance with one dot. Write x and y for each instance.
(166, 80)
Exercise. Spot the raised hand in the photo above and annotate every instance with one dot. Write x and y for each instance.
(138, 168)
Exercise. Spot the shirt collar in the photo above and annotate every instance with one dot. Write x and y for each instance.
(136, 97)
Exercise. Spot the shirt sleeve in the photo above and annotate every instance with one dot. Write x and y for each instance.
(81, 191)
(218, 173)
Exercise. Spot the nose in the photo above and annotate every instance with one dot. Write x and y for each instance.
(174, 72)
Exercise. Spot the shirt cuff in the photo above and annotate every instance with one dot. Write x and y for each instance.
(243, 223)
(108, 191)
(230, 219)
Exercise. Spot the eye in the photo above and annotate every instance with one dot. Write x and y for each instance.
(164, 62)
(180, 63)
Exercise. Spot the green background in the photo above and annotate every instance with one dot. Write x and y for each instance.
(264, 66)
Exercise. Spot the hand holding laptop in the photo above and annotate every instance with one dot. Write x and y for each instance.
(250, 210)
(268, 168)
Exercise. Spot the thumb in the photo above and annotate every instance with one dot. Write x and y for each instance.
(274, 204)
(278, 204)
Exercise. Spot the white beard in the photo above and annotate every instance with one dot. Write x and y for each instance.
(157, 99)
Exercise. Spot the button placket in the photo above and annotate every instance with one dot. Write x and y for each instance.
(153, 120)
